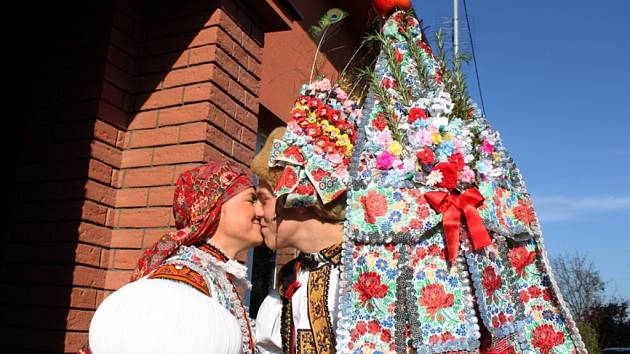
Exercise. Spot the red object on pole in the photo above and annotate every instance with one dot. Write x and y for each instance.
(386, 7)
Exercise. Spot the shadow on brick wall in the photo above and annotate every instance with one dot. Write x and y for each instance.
(56, 234)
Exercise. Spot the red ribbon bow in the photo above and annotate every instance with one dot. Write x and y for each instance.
(451, 206)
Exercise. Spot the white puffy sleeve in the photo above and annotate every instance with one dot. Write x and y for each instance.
(163, 316)
(268, 321)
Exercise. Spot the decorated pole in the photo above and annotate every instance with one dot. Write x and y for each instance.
(455, 27)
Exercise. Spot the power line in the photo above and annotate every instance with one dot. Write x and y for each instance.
(472, 47)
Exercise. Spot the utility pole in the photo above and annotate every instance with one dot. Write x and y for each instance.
(455, 27)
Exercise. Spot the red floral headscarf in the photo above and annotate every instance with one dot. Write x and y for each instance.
(199, 195)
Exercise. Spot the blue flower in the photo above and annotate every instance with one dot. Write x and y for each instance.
(548, 315)
(381, 264)
(387, 323)
(445, 149)
(420, 275)
(441, 274)
(395, 216)
(509, 310)
(391, 273)
(361, 261)
(461, 330)
(452, 281)
(386, 226)
(558, 318)
(397, 196)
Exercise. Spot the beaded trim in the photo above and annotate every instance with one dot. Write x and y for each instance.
(215, 273)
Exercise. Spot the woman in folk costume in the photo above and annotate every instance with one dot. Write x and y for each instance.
(184, 296)
(442, 249)
(306, 166)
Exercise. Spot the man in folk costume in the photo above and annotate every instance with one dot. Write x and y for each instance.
(442, 248)
(306, 167)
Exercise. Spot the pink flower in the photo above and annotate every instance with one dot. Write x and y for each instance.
(384, 138)
(487, 147)
(385, 160)
(334, 158)
(341, 94)
(321, 85)
(467, 175)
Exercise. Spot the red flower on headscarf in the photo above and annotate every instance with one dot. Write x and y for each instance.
(545, 338)
(319, 174)
(374, 205)
(294, 152)
(520, 258)
(322, 110)
(369, 286)
(288, 179)
(305, 189)
(435, 298)
(313, 130)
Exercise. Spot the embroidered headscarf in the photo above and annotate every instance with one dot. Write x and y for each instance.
(316, 147)
(199, 195)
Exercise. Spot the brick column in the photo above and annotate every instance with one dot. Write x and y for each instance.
(124, 102)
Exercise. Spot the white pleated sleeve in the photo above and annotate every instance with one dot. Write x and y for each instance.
(268, 323)
(160, 316)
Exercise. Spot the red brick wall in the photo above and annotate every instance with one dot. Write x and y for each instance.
(123, 103)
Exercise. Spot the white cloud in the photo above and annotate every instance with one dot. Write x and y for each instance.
(562, 208)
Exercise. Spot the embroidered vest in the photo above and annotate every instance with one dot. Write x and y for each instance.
(319, 338)
(212, 273)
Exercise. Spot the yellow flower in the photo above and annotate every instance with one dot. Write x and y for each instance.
(447, 136)
(496, 157)
(437, 138)
(331, 130)
(395, 148)
(343, 140)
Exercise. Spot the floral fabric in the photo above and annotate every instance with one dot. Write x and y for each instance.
(402, 288)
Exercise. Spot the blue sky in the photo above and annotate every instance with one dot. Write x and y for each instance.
(555, 78)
